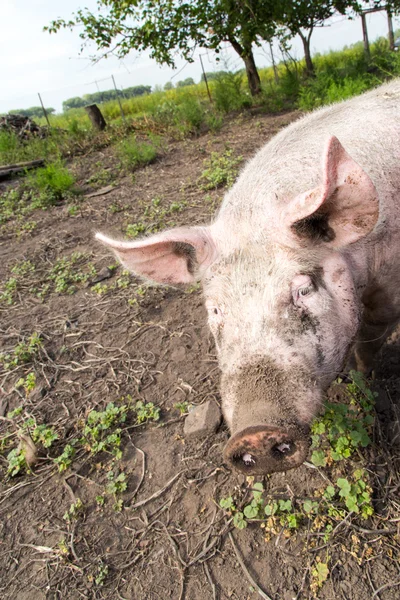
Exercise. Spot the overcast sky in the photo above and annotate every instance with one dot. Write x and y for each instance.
(33, 61)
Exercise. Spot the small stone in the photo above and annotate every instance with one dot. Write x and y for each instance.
(104, 273)
(202, 420)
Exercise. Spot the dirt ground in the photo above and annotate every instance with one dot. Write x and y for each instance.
(168, 538)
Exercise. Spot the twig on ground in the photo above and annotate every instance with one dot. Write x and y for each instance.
(158, 493)
(246, 571)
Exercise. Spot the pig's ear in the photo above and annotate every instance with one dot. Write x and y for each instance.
(175, 256)
(343, 209)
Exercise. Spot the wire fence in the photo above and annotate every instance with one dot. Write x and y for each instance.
(123, 85)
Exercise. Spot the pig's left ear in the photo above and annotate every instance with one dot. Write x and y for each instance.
(343, 209)
(175, 256)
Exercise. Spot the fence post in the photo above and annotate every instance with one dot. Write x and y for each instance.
(44, 110)
(390, 27)
(365, 36)
(205, 79)
(119, 101)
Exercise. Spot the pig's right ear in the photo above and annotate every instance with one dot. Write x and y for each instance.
(342, 210)
(175, 256)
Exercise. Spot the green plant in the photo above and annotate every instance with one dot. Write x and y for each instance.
(69, 271)
(146, 412)
(74, 511)
(101, 575)
(24, 352)
(28, 383)
(221, 169)
(7, 295)
(343, 428)
(183, 407)
(50, 184)
(65, 459)
(116, 483)
(17, 462)
(95, 433)
(134, 153)
(43, 434)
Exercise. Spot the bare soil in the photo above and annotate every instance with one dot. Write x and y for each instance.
(170, 540)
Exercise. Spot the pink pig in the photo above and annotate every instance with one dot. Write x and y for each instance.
(299, 269)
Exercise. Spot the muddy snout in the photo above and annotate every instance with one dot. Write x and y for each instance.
(261, 449)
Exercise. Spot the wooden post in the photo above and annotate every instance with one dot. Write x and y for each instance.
(44, 110)
(119, 101)
(96, 117)
(365, 36)
(205, 79)
(390, 27)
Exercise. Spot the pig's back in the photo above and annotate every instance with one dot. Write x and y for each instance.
(368, 126)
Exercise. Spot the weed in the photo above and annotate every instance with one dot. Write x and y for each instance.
(95, 433)
(116, 483)
(23, 268)
(146, 412)
(74, 511)
(319, 575)
(7, 295)
(101, 575)
(65, 459)
(183, 407)
(343, 428)
(43, 434)
(28, 383)
(24, 352)
(221, 169)
(100, 501)
(50, 184)
(66, 273)
(17, 462)
(134, 153)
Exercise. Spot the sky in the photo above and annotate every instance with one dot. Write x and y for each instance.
(33, 61)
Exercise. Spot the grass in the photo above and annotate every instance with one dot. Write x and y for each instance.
(134, 153)
(221, 169)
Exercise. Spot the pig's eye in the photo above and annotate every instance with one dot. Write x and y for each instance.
(306, 290)
(302, 286)
(214, 313)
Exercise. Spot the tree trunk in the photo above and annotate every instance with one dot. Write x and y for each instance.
(307, 54)
(253, 78)
(96, 117)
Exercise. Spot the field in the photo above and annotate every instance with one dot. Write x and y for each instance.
(101, 494)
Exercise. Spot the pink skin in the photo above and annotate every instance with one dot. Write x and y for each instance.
(288, 278)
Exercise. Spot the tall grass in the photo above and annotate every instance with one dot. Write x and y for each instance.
(186, 111)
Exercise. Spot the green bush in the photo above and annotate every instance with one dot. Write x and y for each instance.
(50, 183)
(228, 93)
(134, 153)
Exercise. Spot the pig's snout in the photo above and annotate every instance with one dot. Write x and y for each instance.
(261, 449)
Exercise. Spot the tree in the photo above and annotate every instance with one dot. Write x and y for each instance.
(75, 102)
(168, 27)
(185, 82)
(168, 86)
(33, 111)
(302, 16)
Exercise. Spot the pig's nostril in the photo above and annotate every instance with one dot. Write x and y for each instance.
(283, 449)
(246, 459)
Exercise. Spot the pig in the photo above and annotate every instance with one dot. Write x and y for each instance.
(299, 270)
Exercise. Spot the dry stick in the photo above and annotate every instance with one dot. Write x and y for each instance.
(210, 581)
(383, 587)
(159, 492)
(245, 570)
(143, 470)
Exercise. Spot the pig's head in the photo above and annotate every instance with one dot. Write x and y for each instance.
(282, 305)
